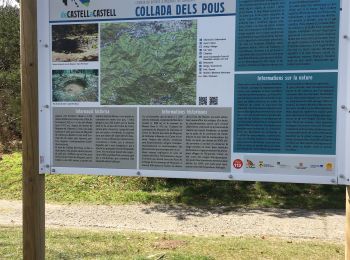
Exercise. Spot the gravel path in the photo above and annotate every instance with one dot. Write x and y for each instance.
(299, 224)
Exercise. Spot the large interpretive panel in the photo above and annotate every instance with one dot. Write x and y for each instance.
(232, 90)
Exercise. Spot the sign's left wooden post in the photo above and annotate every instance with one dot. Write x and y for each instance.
(33, 183)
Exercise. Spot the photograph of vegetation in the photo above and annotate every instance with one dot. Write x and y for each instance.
(76, 42)
(149, 63)
(75, 85)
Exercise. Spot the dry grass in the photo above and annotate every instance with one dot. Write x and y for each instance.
(78, 244)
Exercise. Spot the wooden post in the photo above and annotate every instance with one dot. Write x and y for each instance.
(33, 183)
(347, 224)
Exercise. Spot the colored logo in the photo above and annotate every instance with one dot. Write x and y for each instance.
(329, 166)
(85, 2)
(261, 164)
(301, 166)
(250, 164)
(77, 2)
(265, 165)
(281, 165)
(315, 166)
(238, 164)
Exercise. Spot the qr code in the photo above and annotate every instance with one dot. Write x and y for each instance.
(213, 101)
(203, 101)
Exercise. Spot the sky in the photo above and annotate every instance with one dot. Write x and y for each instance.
(8, 2)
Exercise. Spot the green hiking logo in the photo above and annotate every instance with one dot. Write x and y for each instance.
(77, 2)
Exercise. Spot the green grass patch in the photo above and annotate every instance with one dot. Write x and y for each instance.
(79, 244)
(127, 190)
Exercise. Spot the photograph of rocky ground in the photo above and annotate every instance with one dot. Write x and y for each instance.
(76, 42)
(149, 63)
(75, 85)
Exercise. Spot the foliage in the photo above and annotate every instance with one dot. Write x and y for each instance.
(82, 244)
(149, 63)
(75, 85)
(122, 190)
(10, 87)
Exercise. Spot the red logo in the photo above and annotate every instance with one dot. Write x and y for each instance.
(238, 164)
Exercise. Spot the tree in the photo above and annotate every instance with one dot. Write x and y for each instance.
(10, 87)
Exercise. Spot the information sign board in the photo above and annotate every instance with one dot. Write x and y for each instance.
(232, 90)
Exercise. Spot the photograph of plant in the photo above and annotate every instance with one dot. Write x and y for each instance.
(75, 42)
(149, 63)
(75, 85)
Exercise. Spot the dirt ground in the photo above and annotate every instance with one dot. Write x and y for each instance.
(220, 221)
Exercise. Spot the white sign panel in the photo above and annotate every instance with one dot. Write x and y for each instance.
(231, 90)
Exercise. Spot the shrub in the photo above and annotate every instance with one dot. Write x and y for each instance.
(10, 87)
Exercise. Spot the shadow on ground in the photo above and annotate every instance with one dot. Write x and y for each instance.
(207, 193)
(184, 212)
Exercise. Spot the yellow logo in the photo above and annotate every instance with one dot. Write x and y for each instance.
(329, 166)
